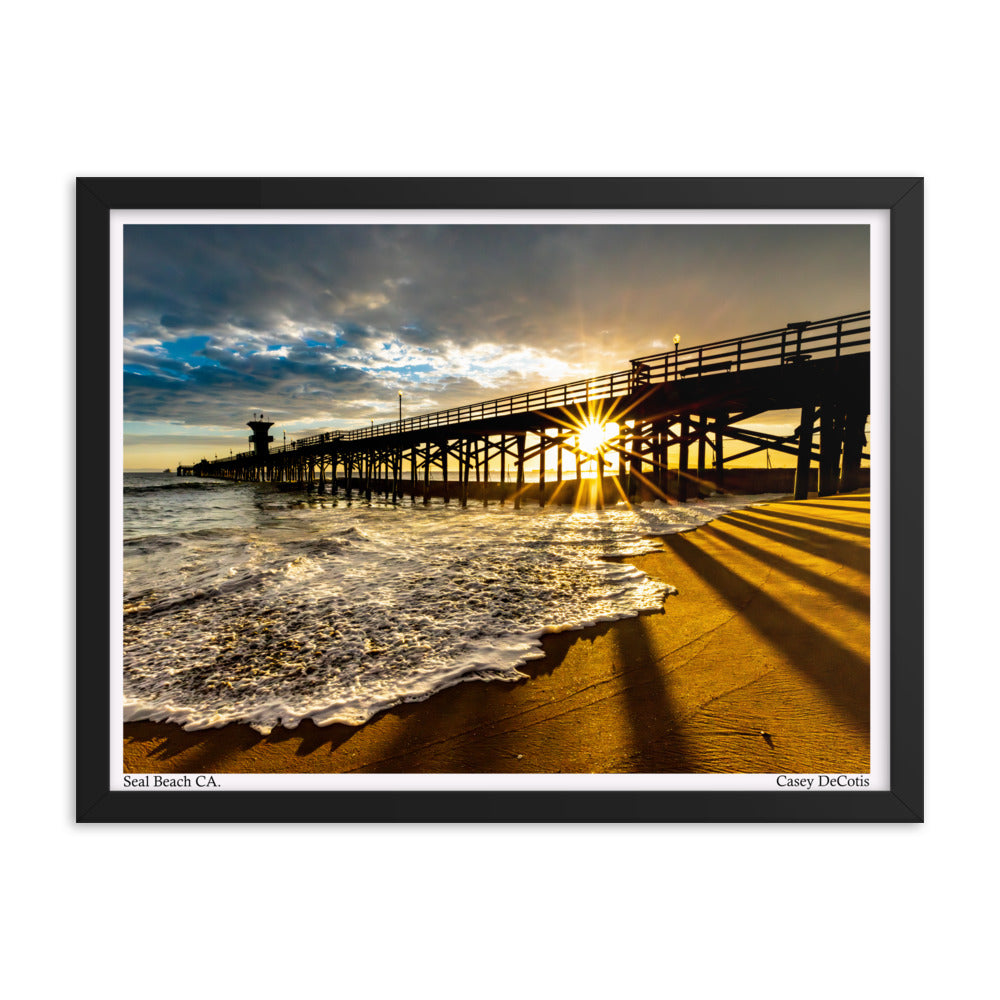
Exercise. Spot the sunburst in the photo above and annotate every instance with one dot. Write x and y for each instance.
(592, 436)
(598, 433)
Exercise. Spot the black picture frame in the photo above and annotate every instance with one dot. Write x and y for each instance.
(96, 198)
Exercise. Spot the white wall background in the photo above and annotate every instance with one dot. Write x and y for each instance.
(428, 88)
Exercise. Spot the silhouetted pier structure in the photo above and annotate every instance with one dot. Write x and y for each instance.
(674, 411)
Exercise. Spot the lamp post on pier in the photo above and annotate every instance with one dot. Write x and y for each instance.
(677, 342)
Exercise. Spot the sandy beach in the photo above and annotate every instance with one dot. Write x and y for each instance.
(760, 664)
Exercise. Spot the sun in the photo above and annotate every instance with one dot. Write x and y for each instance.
(592, 435)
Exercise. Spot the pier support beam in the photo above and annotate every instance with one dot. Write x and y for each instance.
(653, 445)
(503, 469)
(854, 445)
(805, 451)
(631, 446)
(542, 442)
(702, 438)
(663, 457)
(464, 461)
(682, 464)
(486, 469)
(519, 484)
(721, 419)
(830, 445)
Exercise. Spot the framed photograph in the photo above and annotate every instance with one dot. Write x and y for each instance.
(521, 500)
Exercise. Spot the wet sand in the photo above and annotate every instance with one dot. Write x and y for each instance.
(759, 665)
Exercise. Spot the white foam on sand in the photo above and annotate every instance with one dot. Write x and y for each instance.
(334, 612)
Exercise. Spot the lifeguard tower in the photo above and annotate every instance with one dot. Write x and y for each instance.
(260, 439)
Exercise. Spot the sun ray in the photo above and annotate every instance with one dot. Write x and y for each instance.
(621, 492)
(656, 489)
(560, 486)
(578, 498)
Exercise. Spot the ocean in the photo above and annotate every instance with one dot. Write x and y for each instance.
(246, 604)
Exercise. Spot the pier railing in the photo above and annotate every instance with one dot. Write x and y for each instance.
(796, 343)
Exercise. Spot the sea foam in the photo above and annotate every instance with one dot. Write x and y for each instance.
(286, 609)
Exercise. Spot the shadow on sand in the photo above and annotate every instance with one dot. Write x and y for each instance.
(838, 670)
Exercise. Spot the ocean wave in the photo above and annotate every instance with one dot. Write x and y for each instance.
(183, 483)
(145, 544)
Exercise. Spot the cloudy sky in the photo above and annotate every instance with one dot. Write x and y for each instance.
(322, 326)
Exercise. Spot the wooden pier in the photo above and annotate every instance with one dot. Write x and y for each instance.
(671, 414)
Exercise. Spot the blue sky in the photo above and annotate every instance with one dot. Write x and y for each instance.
(321, 327)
